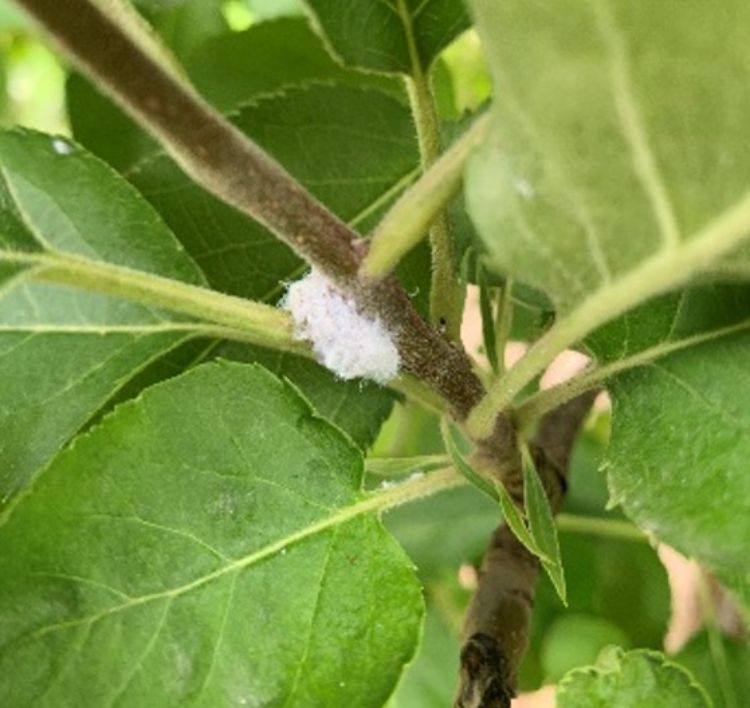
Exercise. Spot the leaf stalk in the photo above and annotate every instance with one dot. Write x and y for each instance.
(409, 219)
(446, 291)
(668, 268)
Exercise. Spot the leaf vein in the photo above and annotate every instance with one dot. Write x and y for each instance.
(316, 607)
(374, 502)
(633, 129)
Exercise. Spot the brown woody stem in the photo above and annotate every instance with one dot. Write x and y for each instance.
(496, 629)
(225, 162)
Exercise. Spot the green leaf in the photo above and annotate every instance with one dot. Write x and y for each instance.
(207, 544)
(397, 466)
(10, 17)
(95, 121)
(359, 408)
(359, 152)
(444, 531)
(672, 322)
(515, 520)
(611, 577)
(430, 681)
(574, 640)
(229, 69)
(720, 664)
(64, 352)
(356, 172)
(676, 461)
(570, 161)
(389, 35)
(541, 524)
(598, 186)
(539, 535)
(480, 481)
(100, 125)
(467, 66)
(587, 493)
(232, 68)
(631, 680)
(613, 586)
(176, 361)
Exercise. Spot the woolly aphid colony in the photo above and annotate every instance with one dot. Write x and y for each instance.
(344, 341)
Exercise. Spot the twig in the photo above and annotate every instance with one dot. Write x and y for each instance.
(225, 162)
(497, 624)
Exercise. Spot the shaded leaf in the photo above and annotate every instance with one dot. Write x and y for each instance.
(389, 35)
(631, 680)
(720, 664)
(410, 430)
(488, 321)
(186, 25)
(103, 127)
(430, 681)
(359, 150)
(620, 582)
(444, 531)
(231, 69)
(587, 493)
(214, 510)
(574, 640)
(64, 352)
(676, 320)
(358, 408)
(615, 587)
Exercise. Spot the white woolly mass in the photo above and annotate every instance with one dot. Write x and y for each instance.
(344, 341)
